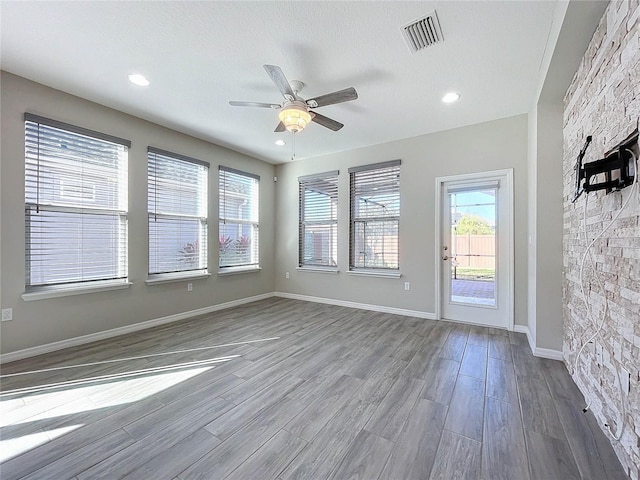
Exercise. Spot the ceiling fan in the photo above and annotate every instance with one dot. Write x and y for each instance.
(295, 111)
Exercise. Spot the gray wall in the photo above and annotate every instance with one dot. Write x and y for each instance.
(44, 321)
(488, 146)
(545, 226)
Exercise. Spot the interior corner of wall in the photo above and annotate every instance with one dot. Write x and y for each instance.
(533, 331)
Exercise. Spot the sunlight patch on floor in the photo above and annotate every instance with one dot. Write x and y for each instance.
(24, 425)
(104, 395)
(138, 357)
(115, 376)
(12, 447)
(33, 415)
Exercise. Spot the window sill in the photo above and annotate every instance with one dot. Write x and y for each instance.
(237, 270)
(175, 277)
(66, 291)
(374, 273)
(329, 270)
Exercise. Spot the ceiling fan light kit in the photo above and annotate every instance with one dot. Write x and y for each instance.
(294, 113)
(294, 116)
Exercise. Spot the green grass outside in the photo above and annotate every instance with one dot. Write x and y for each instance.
(467, 273)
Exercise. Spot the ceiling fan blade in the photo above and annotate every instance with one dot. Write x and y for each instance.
(340, 96)
(275, 72)
(326, 122)
(254, 104)
(280, 128)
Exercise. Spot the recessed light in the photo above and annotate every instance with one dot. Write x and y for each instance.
(280, 143)
(451, 97)
(139, 79)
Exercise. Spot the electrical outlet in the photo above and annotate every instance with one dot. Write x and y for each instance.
(189, 287)
(407, 285)
(286, 275)
(625, 381)
(7, 314)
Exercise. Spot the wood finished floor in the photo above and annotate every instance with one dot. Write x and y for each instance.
(284, 389)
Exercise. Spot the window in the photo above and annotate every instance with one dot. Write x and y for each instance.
(375, 216)
(177, 197)
(318, 228)
(75, 205)
(238, 232)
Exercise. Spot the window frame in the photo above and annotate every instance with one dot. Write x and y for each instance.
(354, 268)
(201, 270)
(46, 159)
(304, 184)
(254, 222)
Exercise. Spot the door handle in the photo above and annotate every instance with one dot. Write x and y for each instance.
(445, 258)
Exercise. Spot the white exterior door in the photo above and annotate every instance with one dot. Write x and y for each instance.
(476, 248)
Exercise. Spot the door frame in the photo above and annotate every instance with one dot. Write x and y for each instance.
(506, 178)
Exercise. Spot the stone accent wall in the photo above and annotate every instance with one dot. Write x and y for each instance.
(604, 101)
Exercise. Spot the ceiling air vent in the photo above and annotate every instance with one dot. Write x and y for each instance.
(423, 32)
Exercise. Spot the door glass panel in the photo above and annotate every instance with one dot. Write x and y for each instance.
(473, 247)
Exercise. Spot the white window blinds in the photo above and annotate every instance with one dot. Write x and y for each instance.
(177, 197)
(238, 222)
(375, 216)
(318, 225)
(75, 204)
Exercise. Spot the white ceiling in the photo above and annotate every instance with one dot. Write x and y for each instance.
(200, 55)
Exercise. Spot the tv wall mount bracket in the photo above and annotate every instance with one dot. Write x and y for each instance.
(617, 167)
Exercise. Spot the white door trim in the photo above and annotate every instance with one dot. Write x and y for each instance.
(507, 175)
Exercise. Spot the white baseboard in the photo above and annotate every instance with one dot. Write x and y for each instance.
(548, 353)
(538, 351)
(362, 306)
(525, 329)
(94, 337)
